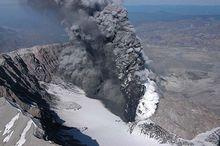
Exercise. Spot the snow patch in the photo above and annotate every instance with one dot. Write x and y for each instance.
(22, 139)
(148, 103)
(7, 138)
(94, 120)
(10, 124)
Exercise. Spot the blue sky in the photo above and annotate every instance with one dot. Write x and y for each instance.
(152, 2)
(172, 2)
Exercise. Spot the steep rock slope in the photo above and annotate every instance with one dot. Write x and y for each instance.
(16, 128)
(111, 58)
(22, 89)
(42, 61)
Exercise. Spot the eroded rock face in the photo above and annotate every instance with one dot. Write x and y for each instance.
(110, 66)
(22, 89)
(42, 61)
(110, 54)
(126, 55)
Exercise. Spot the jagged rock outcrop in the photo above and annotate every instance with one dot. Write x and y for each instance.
(42, 61)
(112, 58)
(21, 88)
(126, 55)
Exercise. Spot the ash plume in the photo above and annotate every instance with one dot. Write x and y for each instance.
(78, 16)
(107, 57)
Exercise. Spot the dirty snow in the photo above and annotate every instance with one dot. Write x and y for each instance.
(10, 124)
(22, 139)
(7, 138)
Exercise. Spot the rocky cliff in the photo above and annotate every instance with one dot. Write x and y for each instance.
(21, 72)
(23, 91)
(42, 61)
(108, 56)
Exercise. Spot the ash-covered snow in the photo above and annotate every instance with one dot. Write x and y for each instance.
(94, 120)
(8, 132)
(22, 139)
(7, 138)
(10, 124)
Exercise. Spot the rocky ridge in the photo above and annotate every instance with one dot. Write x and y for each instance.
(117, 61)
(22, 90)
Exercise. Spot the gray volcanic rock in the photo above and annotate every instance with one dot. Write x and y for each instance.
(110, 54)
(22, 90)
(7, 112)
(42, 61)
(81, 68)
(16, 81)
(155, 131)
(126, 55)
(83, 61)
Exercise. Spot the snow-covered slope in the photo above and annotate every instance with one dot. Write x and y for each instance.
(17, 129)
(93, 119)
